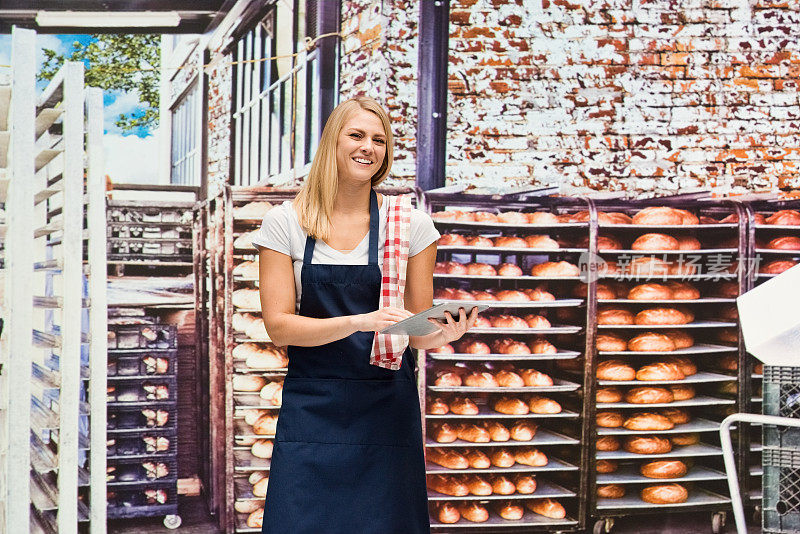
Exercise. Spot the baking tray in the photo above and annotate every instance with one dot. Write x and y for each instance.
(558, 385)
(554, 464)
(560, 303)
(650, 277)
(529, 521)
(756, 446)
(696, 324)
(241, 338)
(700, 377)
(697, 497)
(560, 355)
(542, 437)
(252, 400)
(485, 413)
(555, 329)
(544, 490)
(241, 524)
(700, 348)
(700, 400)
(789, 227)
(243, 430)
(700, 449)
(756, 471)
(695, 425)
(703, 300)
(240, 367)
(506, 226)
(629, 474)
(514, 250)
(674, 252)
(523, 278)
(777, 251)
(245, 462)
(668, 226)
(244, 490)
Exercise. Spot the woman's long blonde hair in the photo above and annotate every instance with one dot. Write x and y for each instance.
(314, 201)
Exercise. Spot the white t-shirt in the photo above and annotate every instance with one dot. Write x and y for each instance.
(281, 231)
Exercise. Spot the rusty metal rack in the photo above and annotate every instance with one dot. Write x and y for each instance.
(559, 435)
(718, 256)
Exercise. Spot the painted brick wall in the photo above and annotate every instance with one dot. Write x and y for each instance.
(642, 95)
(219, 122)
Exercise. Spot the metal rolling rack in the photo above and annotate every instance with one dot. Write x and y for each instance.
(706, 477)
(768, 450)
(561, 478)
(56, 385)
(142, 419)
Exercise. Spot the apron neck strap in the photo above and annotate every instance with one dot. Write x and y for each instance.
(374, 221)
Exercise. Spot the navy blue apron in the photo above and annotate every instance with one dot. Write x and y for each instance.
(348, 448)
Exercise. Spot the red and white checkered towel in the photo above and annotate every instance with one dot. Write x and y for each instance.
(387, 350)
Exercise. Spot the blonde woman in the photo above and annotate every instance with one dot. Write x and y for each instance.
(348, 450)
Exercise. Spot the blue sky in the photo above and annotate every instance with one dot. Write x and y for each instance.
(129, 157)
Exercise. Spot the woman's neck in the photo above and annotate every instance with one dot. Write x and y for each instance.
(352, 198)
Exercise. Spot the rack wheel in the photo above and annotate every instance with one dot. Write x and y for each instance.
(172, 521)
(757, 514)
(717, 522)
(603, 525)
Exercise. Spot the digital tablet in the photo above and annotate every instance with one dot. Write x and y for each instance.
(418, 325)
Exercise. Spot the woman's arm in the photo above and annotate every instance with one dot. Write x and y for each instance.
(277, 292)
(419, 297)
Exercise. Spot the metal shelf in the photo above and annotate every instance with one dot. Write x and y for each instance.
(560, 355)
(696, 324)
(698, 497)
(543, 437)
(544, 490)
(700, 400)
(558, 386)
(524, 278)
(555, 329)
(558, 303)
(700, 348)
(553, 464)
(529, 520)
(695, 425)
(510, 250)
(701, 377)
(700, 449)
(484, 412)
(628, 474)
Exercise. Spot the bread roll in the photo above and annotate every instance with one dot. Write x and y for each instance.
(655, 242)
(509, 269)
(647, 445)
(539, 295)
(665, 494)
(688, 217)
(452, 240)
(436, 406)
(648, 421)
(686, 365)
(485, 217)
(472, 346)
(683, 291)
(607, 443)
(543, 405)
(260, 488)
(663, 469)
(240, 321)
(542, 217)
(447, 458)
(680, 393)
(661, 316)
(728, 335)
(615, 370)
(529, 456)
(650, 292)
(502, 485)
(648, 395)
(777, 266)
(523, 431)
(477, 459)
(660, 371)
(606, 466)
(676, 415)
(480, 380)
(255, 519)
(497, 432)
(481, 269)
(609, 419)
(257, 357)
(681, 338)
(265, 425)
(555, 268)
(510, 406)
(687, 242)
(447, 379)
(445, 433)
(648, 266)
(658, 216)
(447, 485)
(610, 491)
(478, 485)
(608, 394)
(248, 299)
(525, 484)
(473, 511)
(509, 242)
(512, 295)
(615, 316)
(784, 218)
(272, 392)
(541, 346)
(727, 290)
(682, 440)
(615, 217)
(463, 406)
(262, 448)
(610, 343)
(547, 508)
(473, 433)
(479, 241)
(651, 342)
(248, 383)
(534, 378)
(784, 243)
(509, 379)
(247, 269)
(541, 242)
(536, 321)
(502, 458)
(246, 507)
(245, 241)
(447, 513)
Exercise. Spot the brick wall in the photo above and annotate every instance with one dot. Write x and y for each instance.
(219, 122)
(643, 95)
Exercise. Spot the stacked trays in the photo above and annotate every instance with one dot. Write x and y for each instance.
(153, 232)
(501, 421)
(666, 353)
(142, 423)
(775, 238)
(257, 378)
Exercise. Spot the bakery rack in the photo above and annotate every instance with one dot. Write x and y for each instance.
(558, 435)
(770, 474)
(705, 477)
(56, 385)
(142, 416)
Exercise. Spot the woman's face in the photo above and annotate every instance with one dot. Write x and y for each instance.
(361, 146)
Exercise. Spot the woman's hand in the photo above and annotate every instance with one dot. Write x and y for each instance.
(379, 319)
(451, 329)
